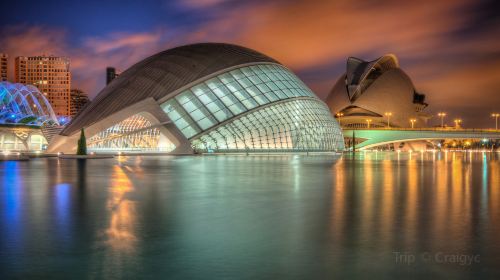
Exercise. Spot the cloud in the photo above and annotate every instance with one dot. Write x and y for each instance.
(122, 40)
(432, 39)
(448, 64)
(120, 50)
(32, 40)
(199, 4)
(89, 59)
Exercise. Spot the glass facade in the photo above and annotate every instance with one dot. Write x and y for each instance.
(21, 140)
(135, 133)
(305, 124)
(21, 104)
(293, 125)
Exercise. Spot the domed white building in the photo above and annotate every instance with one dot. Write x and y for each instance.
(377, 94)
(205, 98)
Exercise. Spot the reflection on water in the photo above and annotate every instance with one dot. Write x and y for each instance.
(248, 217)
(120, 239)
(120, 232)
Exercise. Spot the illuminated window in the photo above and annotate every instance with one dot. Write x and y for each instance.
(298, 121)
(135, 133)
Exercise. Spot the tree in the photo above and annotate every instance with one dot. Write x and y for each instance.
(82, 144)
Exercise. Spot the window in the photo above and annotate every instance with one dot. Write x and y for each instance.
(230, 94)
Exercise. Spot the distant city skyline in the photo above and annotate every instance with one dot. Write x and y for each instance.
(449, 48)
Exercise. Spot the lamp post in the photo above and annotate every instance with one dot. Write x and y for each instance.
(413, 122)
(339, 116)
(457, 123)
(496, 115)
(442, 115)
(388, 115)
(368, 121)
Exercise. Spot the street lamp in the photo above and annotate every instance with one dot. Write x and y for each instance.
(368, 121)
(442, 115)
(413, 122)
(339, 116)
(496, 115)
(457, 123)
(388, 115)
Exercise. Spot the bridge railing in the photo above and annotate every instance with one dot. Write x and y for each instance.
(476, 130)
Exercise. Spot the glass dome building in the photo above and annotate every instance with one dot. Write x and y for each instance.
(24, 114)
(24, 104)
(205, 98)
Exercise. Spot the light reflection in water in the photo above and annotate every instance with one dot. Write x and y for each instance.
(120, 237)
(368, 210)
(425, 201)
(13, 188)
(63, 210)
(233, 216)
(120, 233)
(388, 215)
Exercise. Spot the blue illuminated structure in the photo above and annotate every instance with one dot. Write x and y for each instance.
(24, 104)
(25, 114)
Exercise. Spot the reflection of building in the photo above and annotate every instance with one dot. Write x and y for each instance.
(203, 98)
(23, 110)
(111, 74)
(50, 75)
(78, 100)
(376, 94)
(4, 62)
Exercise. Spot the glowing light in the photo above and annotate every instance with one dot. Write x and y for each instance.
(388, 115)
(369, 122)
(412, 121)
(25, 103)
(496, 115)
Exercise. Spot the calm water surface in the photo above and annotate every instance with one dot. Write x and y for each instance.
(375, 216)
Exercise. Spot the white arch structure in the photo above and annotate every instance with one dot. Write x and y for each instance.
(378, 137)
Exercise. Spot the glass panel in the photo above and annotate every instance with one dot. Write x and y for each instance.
(293, 125)
(230, 94)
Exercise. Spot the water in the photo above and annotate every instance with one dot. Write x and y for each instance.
(377, 216)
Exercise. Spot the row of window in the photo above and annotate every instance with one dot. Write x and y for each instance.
(230, 94)
(304, 124)
(9, 141)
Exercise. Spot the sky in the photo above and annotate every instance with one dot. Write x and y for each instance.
(449, 48)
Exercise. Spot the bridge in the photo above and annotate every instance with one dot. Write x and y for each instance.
(381, 136)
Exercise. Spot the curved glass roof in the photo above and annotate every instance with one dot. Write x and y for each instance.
(297, 124)
(261, 107)
(24, 104)
(162, 74)
(230, 94)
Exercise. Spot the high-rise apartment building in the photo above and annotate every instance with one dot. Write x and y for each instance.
(3, 66)
(50, 74)
(111, 74)
(78, 100)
